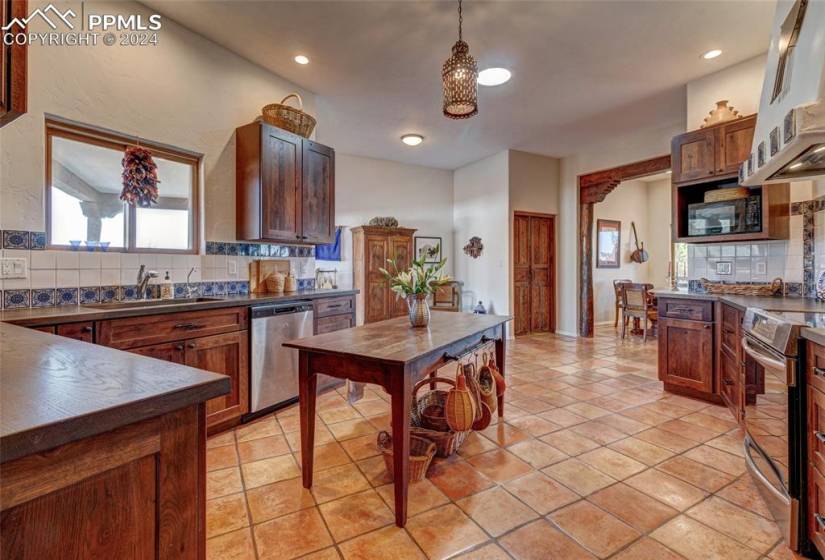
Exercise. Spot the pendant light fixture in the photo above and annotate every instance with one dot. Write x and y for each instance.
(459, 77)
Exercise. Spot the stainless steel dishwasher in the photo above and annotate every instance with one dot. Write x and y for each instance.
(274, 369)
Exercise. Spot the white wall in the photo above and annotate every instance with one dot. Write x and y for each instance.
(533, 185)
(658, 241)
(481, 208)
(740, 84)
(186, 91)
(420, 197)
(636, 145)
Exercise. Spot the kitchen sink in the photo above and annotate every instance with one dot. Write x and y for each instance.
(148, 303)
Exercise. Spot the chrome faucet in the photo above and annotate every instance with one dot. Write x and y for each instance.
(143, 278)
(189, 289)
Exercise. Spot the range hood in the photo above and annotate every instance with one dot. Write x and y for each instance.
(789, 141)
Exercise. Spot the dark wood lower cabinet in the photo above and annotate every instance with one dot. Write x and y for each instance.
(686, 356)
(729, 383)
(227, 354)
(137, 492)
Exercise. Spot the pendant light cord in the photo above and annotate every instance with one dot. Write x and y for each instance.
(460, 20)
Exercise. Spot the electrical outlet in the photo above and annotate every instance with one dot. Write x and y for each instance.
(12, 268)
(761, 268)
(233, 267)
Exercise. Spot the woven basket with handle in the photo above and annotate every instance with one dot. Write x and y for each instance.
(289, 118)
(446, 440)
(422, 452)
(775, 288)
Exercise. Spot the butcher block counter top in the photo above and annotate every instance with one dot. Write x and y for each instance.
(54, 390)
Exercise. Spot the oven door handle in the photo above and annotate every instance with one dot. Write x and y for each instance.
(758, 473)
(769, 362)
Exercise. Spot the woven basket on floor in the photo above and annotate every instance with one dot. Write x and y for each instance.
(446, 443)
(428, 411)
(422, 452)
(289, 118)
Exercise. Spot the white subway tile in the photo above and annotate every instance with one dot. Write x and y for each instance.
(89, 278)
(66, 260)
(163, 262)
(43, 260)
(17, 284)
(714, 251)
(110, 260)
(42, 278)
(67, 279)
(743, 250)
(700, 250)
(128, 276)
(129, 260)
(88, 261)
(148, 260)
(110, 277)
(728, 250)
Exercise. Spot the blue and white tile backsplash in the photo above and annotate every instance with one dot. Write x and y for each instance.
(61, 277)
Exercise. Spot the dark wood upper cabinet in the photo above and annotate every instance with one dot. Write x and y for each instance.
(285, 186)
(13, 65)
(708, 159)
(318, 193)
(714, 152)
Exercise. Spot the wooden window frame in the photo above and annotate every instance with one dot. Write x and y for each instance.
(60, 128)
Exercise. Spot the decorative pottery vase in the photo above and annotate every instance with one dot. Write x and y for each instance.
(419, 310)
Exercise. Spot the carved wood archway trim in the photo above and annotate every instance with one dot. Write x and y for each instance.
(593, 188)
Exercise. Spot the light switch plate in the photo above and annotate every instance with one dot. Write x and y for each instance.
(233, 267)
(761, 268)
(13, 268)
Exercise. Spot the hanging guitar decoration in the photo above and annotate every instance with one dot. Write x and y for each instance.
(639, 255)
(140, 178)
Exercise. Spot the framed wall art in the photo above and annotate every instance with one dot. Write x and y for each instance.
(608, 243)
(429, 248)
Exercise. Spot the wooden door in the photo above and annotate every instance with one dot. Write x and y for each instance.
(226, 354)
(735, 139)
(13, 61)
(401, 252)
(318, 193)
(377, 300)
(694, 155)
(281, 181)
(533, 272)
(686, 354)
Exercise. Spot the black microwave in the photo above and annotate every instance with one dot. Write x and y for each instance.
(742, 215)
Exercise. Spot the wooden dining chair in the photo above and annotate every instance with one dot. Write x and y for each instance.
(617, 290)
(637, 305)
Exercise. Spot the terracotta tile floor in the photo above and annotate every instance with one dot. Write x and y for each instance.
(592, 460)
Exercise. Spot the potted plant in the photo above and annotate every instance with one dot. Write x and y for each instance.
(415, 285)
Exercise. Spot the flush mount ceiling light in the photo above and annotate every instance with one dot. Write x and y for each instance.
(459, 76)
(711, 54)
(412, 139)
(301, 59)
(493, 76)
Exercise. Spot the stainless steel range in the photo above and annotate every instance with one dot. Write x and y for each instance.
(775, 414)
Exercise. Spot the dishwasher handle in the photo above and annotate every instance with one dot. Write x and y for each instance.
(262, 311)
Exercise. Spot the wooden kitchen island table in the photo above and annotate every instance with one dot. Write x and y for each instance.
(393, 355)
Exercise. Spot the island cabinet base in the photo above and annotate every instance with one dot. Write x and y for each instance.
(134, 492)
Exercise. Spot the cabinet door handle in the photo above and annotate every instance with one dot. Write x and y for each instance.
(179, 347)
(87, 329)
(819, 372)
(820, 521)
(819, 435)
(188, 326)
(191, 345)
(727, 381)
(706, 326)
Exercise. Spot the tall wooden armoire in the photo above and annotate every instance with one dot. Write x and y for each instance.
(371, 247)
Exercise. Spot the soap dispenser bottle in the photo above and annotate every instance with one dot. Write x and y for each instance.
(166, 289)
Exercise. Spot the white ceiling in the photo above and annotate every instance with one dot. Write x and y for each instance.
(581, 70)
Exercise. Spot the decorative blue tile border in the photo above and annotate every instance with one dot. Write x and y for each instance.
(258, 249)
(20, 239)
(21, 299)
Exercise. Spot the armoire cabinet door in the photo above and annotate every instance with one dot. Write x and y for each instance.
(377, 305)
(281, 179)
(318, 205)
(400, 252)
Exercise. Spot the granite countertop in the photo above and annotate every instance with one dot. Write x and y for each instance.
(768, 303)
(55, 390)
(39, 316)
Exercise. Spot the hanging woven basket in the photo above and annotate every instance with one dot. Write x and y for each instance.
(289, 118)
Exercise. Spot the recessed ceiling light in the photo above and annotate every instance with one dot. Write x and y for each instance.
(711, 54)
(412, 139)
(301, 59)
(493, 76)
